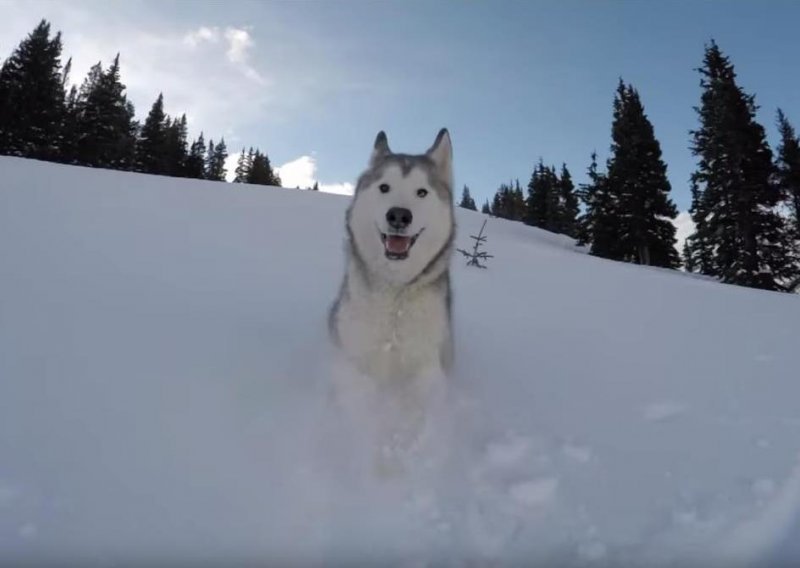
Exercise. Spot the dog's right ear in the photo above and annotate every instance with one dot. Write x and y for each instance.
(380, 150)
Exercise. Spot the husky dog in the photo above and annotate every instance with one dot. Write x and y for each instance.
(392, 317)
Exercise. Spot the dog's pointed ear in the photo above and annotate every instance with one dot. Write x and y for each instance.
(442, 153)
(381, 148)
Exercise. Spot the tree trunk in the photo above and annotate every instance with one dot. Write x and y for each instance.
(644, 255)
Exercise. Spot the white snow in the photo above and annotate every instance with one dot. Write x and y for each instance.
(164, 395)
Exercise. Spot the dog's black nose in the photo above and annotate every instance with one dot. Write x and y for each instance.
(398, 217)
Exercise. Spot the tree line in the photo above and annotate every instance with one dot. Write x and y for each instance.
(94, 125)
(745, 199)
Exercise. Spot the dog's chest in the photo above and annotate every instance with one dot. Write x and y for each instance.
(394, 336)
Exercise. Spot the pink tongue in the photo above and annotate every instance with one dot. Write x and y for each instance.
(396, 244)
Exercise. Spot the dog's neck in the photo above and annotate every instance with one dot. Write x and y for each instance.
(363, 284)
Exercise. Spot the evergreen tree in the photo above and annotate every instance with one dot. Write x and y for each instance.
(315, 187)
(32, 109)
(195, 161)
(740, 236)
(569, 204)
(261, 172)
(509, 202)
(688, 261)
(788, 167)
(175, 154)
(152, 140)
(543, 206)
(215, 161)
(243, 166)
(486, 209)
(518, 207)
(598, 226)
(466, 200)
(103, 129)
(637, 178)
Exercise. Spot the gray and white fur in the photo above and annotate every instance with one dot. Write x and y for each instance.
(392, 318)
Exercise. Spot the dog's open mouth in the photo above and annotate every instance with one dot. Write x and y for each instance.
(397, 246)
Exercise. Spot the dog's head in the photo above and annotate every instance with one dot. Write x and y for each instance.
(400, 221)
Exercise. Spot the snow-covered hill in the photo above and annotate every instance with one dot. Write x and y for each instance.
(163, 364)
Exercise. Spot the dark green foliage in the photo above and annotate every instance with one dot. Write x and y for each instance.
(788, 166)
(466, 200)
(32, 106)
(741, 238)
(102, 129)
(215, 161)
(637, 181)
(552, 203)
(261, 172)
(195, 161)
(175, 154)
(542, 208)
(569, 204)
(688, 261)
(597, 227)
(152, 140)
(509, 202)
(243, 166)
(485, 208)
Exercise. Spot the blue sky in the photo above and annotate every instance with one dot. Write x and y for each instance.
(312, 81)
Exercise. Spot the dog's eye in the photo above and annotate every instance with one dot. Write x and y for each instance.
(384, 187)
(421, 192)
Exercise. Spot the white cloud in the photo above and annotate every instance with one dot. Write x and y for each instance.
(230, 166)
(302, 173)
(239, 41)
(684, 227)
(193, 39)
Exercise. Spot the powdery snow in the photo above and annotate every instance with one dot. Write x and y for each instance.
(165, 395)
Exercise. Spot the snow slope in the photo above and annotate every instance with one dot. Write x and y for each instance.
(163, 374)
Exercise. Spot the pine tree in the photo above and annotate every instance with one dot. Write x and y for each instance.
(569, 204)
(486, 209)
(315, 186)
(504, 203)
(598, 226)
(175, 153)
(637, 178)
(32, 109)
(543, 206)
(688, 261)
(261, 172)
(104, 129)
(740, 236)
(152, 140)
(518, 207)
(215, 161)
(195, 162)
(243, 165)
(788, 167)
(466, 200)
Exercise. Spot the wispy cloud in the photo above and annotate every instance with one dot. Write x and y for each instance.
(200, 35)
(238, 45)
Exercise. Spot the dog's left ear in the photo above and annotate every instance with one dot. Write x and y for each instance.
(442, 153)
